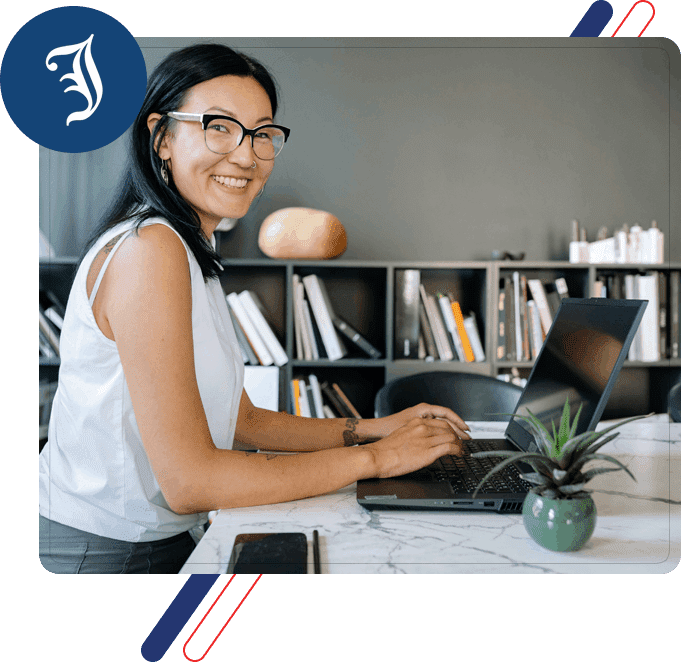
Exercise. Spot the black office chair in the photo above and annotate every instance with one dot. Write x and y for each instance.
(675, 403)
(473, 397)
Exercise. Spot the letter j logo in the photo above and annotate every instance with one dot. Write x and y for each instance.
(66, 50)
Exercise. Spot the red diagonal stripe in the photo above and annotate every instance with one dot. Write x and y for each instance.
(632, 9)
(184, 648)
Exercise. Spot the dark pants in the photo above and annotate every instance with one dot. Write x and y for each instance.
(65, 550)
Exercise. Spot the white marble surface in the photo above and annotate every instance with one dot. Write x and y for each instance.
(638, 529)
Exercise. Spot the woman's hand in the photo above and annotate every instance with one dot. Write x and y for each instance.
(415, 445)
(389, 424)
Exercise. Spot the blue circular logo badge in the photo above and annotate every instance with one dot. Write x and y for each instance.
(73, 79)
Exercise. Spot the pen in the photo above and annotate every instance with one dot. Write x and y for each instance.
(315, 552)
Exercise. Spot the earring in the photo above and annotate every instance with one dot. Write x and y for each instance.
(164, 171)
(255, 165)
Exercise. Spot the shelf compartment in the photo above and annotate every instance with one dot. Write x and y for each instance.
(359, 384)
(467, 285)
(358, 296)
(269, 284)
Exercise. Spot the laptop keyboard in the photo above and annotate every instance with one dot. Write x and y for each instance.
(465, 473)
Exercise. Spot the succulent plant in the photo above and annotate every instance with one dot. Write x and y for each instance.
(560, 459)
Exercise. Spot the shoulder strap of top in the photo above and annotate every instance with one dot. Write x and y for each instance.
(122, 238)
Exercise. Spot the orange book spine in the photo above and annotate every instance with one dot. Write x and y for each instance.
(458, 318)
(296, 396)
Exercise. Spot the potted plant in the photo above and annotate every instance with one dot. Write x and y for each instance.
(558, 512)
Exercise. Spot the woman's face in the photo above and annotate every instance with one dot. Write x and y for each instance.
(218, 185)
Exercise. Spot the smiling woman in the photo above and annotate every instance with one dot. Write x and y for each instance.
(150, 395)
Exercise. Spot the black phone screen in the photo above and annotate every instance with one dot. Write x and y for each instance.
(269, 553)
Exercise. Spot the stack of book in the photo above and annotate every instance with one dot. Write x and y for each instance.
(313, 399)
(320, 333)
(432, 326)
(51, 320)
(526, 309)
(259, 345)
(657, 337)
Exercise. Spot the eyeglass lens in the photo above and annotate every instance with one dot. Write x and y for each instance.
(223, 136)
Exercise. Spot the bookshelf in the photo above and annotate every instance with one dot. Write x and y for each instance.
(363, 293)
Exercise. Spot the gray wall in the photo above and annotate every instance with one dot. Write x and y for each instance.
(439, 149)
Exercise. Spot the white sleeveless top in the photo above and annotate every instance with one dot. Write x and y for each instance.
(94, 472)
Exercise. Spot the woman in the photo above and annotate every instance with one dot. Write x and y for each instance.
(150, 393)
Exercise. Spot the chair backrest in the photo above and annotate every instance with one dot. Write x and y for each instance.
(675, 403)
(473, 397)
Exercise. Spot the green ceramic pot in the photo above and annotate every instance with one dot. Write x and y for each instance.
(562, 525)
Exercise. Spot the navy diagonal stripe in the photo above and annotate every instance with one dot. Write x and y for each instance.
(595, 19)
(176, 616)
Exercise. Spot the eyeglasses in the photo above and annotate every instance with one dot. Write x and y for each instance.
(224, 134)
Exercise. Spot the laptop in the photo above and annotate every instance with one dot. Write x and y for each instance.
(580, 359)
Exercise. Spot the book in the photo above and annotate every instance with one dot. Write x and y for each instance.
(553, 298)
(650, 334)
(467, 348)
(48, 332)
(428, 338)
(337, 404)
(450, 325)
(444, 345)
(256, 342)
(510, 319)
(298, 320)
(674, 312)
(246, 349)
(323, 317)
(317, 395)
(46, 349)
(444, 353)
(295, 399)
(299, 314)
(631, 292)
(312, 404)
(524, 325)
(517, 317)
(539, 296)
(407, 322)
(255, 311)
(346, 401)
(535, 329)
(471, 324)
(501, 328)
(328, 412)
(52, 308)
(662, 303)
(311, 333)
(303, 399)
(356, 337)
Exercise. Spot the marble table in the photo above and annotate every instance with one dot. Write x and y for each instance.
(638, 529)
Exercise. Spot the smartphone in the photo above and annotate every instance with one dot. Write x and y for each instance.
(269, 553)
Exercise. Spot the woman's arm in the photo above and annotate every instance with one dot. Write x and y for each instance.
(145, 302)
(270, 430)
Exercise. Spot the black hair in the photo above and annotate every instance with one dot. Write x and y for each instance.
(142, 193)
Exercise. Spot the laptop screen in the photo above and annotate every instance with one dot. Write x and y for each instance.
(580, 360)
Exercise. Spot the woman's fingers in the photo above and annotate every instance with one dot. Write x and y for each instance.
(461, 430)
(436, 411)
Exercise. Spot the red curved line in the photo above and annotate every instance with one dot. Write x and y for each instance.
(632, 9)
(184, 648)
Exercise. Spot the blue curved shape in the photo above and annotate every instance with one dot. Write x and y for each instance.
(176, 616)
(595, 19)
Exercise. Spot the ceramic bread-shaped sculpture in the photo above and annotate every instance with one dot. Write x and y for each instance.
(302, 233)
